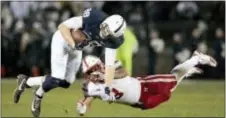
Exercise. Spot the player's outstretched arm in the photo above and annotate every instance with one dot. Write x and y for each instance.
(109, 74)
(84, 104)
(71, 24)
(110, 55)
(88, 101)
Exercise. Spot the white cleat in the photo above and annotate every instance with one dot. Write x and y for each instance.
(205, 59)
(36, 105)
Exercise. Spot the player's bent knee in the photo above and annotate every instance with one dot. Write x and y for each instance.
(64, 84)
(50, 83)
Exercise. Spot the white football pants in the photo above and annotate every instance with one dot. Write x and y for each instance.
(65, 62)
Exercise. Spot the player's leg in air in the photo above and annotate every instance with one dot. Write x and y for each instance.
(64, 66)
(160, 87)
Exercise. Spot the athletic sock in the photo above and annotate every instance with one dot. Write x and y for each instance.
(40, 92)
(180, 70)
(35, 81)
(190, 63)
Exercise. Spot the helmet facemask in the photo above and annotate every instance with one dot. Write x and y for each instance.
(105, 31)
(96, 68)
(112, 27)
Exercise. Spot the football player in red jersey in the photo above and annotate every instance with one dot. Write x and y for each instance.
(142, 92)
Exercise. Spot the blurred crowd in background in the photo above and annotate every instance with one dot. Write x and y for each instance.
(167, 33)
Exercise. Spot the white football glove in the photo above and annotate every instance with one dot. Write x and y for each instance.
(81, 108)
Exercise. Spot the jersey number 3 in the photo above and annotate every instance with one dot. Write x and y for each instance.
(118, 94)
(87, 12)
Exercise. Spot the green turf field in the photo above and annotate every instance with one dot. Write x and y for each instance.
(191, 98)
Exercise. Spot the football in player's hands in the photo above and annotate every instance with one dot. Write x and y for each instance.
(77, 35)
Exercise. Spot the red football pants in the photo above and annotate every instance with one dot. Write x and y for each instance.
(155, 89)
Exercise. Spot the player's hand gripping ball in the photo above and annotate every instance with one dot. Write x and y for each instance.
(78, 35)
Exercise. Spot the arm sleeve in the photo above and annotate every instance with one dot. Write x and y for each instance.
(93, 90)
(110, 55)
(74, 22)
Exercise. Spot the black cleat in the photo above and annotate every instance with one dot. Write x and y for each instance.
(21, 85)
(36, 105)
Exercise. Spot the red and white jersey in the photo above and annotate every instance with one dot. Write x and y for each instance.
(130, 90)
(127, 90)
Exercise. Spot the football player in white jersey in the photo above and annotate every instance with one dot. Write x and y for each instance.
(142, 92)
(93, 28)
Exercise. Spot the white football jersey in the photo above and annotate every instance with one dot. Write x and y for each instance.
(126, 90)
(129, 88)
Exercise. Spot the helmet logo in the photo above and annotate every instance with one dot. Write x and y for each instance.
(119, 26)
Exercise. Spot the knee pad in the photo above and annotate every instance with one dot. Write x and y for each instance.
(50, 83)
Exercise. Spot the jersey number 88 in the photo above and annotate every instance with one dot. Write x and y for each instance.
(87, 12)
